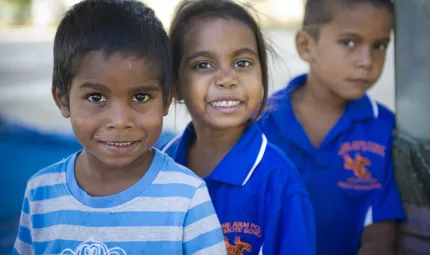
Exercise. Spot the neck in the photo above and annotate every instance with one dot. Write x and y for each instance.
(316, 94)
(92, 166)
(216, 141)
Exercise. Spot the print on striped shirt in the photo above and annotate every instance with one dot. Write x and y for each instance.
(94, 248)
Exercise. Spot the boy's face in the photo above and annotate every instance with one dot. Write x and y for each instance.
(116, 107)
(349, 54)
(221, 79)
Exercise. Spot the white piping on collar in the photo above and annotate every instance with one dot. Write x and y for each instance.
(257, 161)
(374, 106)
(170, 143)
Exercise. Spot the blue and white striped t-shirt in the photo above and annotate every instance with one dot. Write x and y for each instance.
(168, 211)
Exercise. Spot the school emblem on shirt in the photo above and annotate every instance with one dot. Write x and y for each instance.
(358, 165)
(239, 229)
(362, 178)
(238, 247)
(93, 248)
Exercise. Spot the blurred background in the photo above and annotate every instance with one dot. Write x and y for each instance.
(33, 134)
(27, 29)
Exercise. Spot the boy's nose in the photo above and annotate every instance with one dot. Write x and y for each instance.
(119, 117)
(365, 58)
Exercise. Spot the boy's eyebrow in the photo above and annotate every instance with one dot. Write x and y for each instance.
(95, 86)
(102, 88)
(352, 34)
(146, 88)
(245, 50)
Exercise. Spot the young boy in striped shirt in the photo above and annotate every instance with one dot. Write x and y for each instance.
(118, 195)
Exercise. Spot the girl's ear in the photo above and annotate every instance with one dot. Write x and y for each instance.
(60, 101)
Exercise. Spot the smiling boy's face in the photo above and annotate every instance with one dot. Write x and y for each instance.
(116, 107)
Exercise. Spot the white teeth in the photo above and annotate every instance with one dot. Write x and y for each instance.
(119, 144)
(225, 103)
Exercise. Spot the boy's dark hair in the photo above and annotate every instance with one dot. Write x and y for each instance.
(189, 11)
(110, 26)
(320, 12)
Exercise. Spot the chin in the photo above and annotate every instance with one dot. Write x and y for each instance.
(228, 123)
(354, 95)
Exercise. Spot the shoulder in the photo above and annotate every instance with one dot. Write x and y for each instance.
(278, 101)
(380, 128)
(179, 174)
(281, 173)
(51, 175)
(170, 146)
(276, 111)
(385, 116)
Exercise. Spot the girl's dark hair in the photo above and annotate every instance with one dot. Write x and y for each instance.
(188, 11)
(321, 12)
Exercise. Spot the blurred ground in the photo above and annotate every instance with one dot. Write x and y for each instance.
(26, 68)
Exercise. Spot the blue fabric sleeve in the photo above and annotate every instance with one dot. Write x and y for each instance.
(24, 243)
(387, 204)
(202, 229)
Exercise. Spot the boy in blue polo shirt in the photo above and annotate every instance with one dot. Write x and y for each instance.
(338, 137)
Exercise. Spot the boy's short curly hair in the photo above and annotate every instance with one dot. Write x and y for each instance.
(109, 26)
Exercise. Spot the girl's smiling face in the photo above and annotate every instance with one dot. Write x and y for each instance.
(220, 74)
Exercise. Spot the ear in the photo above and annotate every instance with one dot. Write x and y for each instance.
(304, 45)
(60, 101)
(169, 102)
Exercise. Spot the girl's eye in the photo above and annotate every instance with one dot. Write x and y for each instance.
(348, 43)
(242, 63)
(203, 65)
(140, 98)
(381, 46)
(96, 98)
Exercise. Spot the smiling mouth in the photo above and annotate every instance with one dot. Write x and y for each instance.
(120, 144)
(225, 103)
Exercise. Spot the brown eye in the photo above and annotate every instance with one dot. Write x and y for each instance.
(96, 98)
(203, 65)
(381, 46)
(348, 43)
(140, 98)
(242, 63)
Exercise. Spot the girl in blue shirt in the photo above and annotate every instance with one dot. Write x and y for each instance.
(219, 56)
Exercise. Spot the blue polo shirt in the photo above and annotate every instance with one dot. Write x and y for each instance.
(349, 178)
(258, 196)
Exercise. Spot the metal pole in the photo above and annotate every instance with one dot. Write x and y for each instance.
(412, 145)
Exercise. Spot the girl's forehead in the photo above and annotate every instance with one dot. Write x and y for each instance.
(218, 34)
